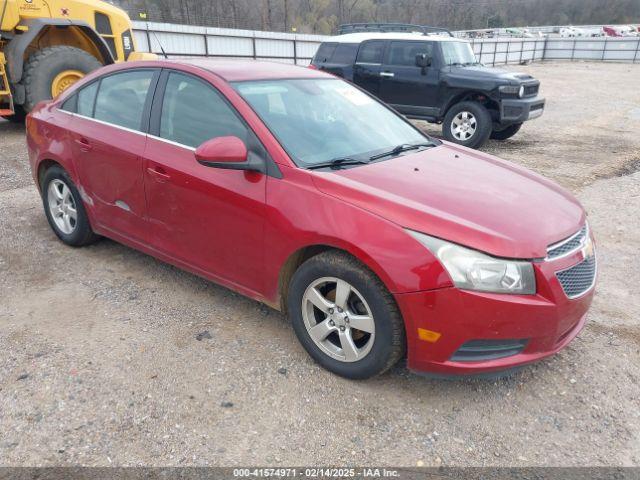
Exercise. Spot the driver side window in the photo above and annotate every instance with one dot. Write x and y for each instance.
(194, 112)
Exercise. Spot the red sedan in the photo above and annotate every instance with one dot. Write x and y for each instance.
(301, 191)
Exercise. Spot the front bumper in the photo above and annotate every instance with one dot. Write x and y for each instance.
(547, 322)
(521, 109)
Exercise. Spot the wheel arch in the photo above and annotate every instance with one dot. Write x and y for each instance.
(302, 254)
(474, 96)
(47, 32)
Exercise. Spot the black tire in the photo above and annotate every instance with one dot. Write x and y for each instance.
(18, 116)
(506, 133)
(389, 341)
(482, 128)
(43, 66)
(82, 233)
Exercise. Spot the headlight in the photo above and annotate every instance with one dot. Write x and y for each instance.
(512, 90)
(473, 270)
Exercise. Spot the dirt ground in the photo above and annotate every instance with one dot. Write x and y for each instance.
(103, 361)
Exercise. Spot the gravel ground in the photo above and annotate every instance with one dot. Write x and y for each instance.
(110, 357)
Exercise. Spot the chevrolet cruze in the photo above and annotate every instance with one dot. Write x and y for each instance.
(302, 191)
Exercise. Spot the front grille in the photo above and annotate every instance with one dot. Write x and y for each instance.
(578, 279)
(481, 350)
(568, 245)
(531, 90)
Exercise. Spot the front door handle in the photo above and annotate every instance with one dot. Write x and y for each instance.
(387, 74)
(159, 173)
(84, 144)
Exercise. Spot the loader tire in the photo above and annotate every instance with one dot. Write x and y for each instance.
(54, 66)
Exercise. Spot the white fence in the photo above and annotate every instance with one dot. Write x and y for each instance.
(190, 41)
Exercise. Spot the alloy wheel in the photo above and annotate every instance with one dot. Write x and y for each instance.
(62, 206)
(464, 125)
(338, 319)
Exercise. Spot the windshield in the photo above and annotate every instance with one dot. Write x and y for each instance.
(458, 53)
(320, 120)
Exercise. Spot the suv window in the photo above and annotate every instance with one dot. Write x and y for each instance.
(404, 53)
(371, 52)
(345, 54)
(324, 52)
(121, 98)
(194, 112)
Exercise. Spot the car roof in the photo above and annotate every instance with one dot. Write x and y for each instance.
(242, 70)
(362, 36)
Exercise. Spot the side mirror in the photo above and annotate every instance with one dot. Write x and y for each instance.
(229, 153)
(423, 60)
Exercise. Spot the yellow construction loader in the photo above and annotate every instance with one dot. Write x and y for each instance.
(47, 45)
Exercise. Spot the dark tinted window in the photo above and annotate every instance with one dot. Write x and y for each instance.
(194, 112)
(70, 104)
(86, 100)
(404, 53)
(103, 25)
(121, 98)
(371, 52)
(324, 52)
(345, 54)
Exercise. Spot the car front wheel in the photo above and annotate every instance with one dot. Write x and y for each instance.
(468, 124)
(345, 317)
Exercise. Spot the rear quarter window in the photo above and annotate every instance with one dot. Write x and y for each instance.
(345, 54)
(324, 53)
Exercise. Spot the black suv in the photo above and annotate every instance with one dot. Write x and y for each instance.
(426, 73)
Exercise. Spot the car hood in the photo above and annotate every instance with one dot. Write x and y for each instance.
(464, 196)
(496, 75)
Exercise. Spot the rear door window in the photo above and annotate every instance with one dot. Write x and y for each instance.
(344, 54)
(371, 52)
(324, 52)
(121, 98)
(404, 53)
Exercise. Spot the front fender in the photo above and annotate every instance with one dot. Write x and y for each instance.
(319, 219)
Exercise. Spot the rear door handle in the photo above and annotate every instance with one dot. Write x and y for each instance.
(159, 173)
(84, 144)
(387, 74)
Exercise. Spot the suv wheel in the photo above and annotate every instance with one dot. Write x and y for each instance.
(507, 132)
(345, 317)
(468, 124)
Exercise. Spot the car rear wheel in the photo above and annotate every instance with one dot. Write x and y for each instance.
(64, 209)
(467, 124)
(507, 132)
(345, 317)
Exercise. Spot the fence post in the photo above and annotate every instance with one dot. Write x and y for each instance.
(146, 30)
(253, 46)
(506, 58)
(635, 56)
(521, 49)
(573, 52)
(206, 44)
(604, 49)
(295, 51)
(544, 48)
(481, 48)
(535, 46)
